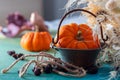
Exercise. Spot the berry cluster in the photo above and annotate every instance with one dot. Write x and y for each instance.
(50, 68)
(14, 55)
(45, 69)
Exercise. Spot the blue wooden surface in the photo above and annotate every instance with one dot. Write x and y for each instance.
(6, 60)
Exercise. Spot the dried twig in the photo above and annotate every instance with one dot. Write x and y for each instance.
(43, 59)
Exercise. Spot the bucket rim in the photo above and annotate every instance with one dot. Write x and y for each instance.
(77, 49)
(102, 46)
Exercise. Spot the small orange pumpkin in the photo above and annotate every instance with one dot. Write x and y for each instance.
(77, 37)
(36, 41)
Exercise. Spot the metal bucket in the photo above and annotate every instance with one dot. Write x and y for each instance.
(81, 58)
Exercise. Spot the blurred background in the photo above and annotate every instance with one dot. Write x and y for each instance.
(49, 9)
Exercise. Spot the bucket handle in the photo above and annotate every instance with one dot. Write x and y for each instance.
(75, 10)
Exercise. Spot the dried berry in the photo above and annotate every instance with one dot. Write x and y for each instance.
(20, 55)
(14, 56)
(37, 71)
(47, 69)
(11, 52)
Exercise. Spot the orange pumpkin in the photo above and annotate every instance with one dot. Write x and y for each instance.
(36, 41)
(77, 37)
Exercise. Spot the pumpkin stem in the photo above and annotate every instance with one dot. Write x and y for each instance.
(79, 36)
(37, 28)
(38, 22)
(40, 29)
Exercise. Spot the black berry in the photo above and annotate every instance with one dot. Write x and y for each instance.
(47, 69)
(15, 56)
(11, 52)
(37, 72)
(20, 55)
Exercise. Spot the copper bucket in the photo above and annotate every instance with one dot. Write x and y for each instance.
(81, 58)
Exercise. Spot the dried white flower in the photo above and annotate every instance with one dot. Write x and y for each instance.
(113, 75)
(110, 10)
